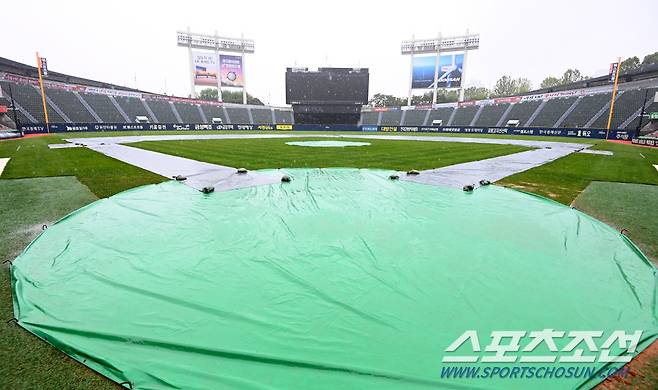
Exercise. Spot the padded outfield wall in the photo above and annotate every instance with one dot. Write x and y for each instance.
(523, 131)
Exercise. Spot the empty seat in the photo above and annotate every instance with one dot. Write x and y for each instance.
(261, 115)
(238, 115)
(103, 107)
(414, 117)
(391, 118)
(189, 112)
(71, 105)
(491, 114)
(552, 111)
(133, 107)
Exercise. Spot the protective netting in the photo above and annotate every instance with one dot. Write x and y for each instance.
(339, 279)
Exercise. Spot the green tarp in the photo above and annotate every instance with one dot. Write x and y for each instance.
(339, 279)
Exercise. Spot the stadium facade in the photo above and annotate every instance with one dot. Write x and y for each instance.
(77, 104)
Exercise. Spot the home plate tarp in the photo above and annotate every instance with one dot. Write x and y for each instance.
(339, 279)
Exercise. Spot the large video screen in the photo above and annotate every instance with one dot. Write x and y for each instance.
(207, 67)
(327, 86)
(449, 76)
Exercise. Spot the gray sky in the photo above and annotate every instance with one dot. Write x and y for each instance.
(120, 41)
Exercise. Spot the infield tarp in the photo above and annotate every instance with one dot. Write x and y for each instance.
(339, 279)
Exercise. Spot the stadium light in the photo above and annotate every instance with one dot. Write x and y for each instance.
(217, 44)
(437, 46)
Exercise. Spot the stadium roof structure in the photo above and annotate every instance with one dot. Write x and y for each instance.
(14, 67)
(648, 71)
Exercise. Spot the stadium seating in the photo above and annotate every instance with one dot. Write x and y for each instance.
(30, 99)
(464, 116)
(71, 105)
(261, 115)
(19, 115)
(77, 103)
(626, 104)
(633, 124)
(523, 111)
(103, 107)
(414, 117)
(162, 110)
(391, 118)
(442, 113)
(587, 107)
(133, 107)
(491, 114)
(189, 113)
(213, 111)
(283, 116)
(369, 117)
(552, 111)
(238, 114)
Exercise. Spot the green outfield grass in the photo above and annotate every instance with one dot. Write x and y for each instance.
(105, 176)
(29, 363)
(562, 180)
(625, 206)
(384, 154)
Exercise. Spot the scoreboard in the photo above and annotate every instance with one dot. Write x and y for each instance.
(347, 86)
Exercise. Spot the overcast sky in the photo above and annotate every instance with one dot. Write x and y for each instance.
(133, 43)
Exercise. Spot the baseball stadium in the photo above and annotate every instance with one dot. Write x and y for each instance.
(328, 228)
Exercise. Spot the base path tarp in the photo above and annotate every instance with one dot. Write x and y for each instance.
(338, 279)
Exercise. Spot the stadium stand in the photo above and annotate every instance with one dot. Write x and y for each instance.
(162, 110)
(19, 115)
(67, 101)
(442, 113)
(586, 108)
(391, 118)
(133, 107)
(214, 111)
(464, 116)
(414, 117)
(522, 111)
(261, 115)
(625, 105)
(491, 114)
(103, 107)
(30, 99)
(634, 123)
(238, 114)
(369, 117)
(73, 99)
(189, 113)
(283, 116)
(552, 111)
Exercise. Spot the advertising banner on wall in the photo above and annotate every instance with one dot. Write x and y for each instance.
(231, 71)
(205, 68)
(450, 71)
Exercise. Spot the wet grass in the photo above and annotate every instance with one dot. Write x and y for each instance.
(564, 179)
(382, 154)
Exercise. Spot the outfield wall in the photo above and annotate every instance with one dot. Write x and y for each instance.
(525, 131)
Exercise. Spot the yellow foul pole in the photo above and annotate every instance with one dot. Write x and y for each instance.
(43, 94)
(612, 99)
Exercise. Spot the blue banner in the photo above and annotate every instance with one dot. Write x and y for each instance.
(40, 128)
(449, 76)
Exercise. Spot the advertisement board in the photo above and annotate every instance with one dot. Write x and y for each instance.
(449, 76)
(205, 68)
(230, 68)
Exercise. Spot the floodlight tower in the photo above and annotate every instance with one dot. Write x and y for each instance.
(436, 46)
(218, 45)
